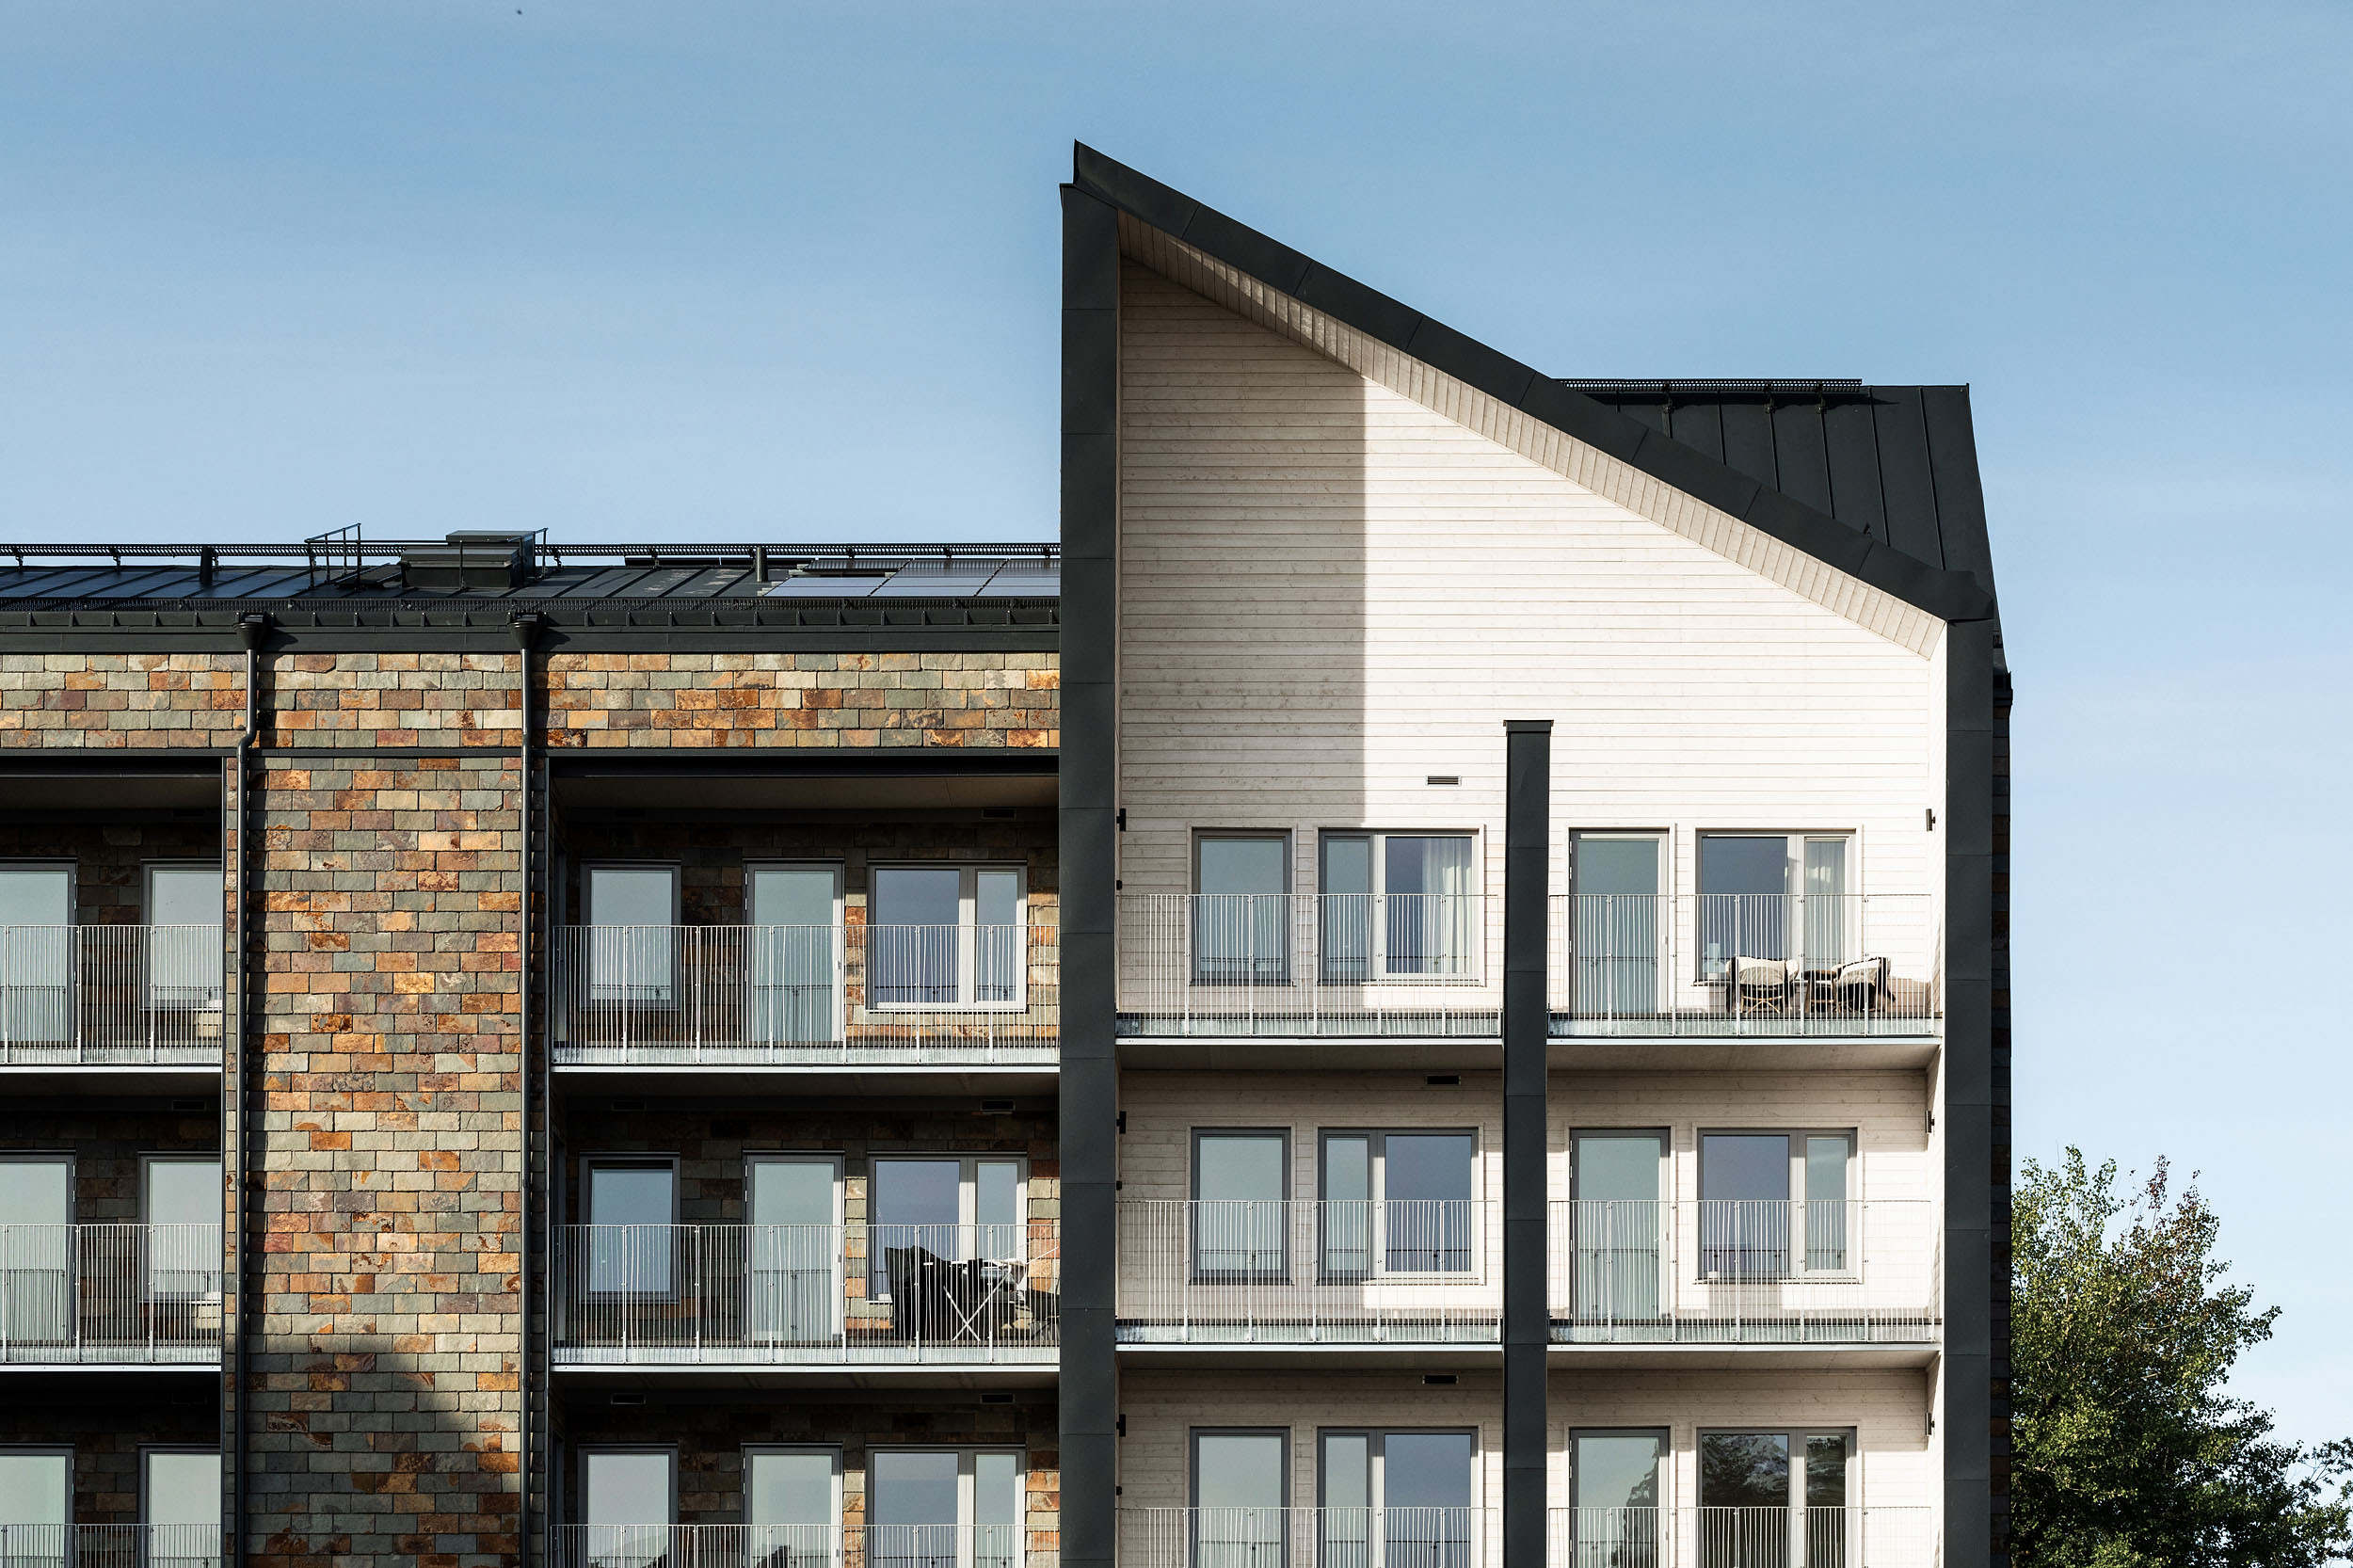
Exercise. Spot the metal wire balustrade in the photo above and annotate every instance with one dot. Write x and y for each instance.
(109, 1293)
(111, 994)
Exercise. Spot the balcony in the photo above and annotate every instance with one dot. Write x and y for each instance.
(810, 1295)
(1719, 964)
(1309, 1537)
(805, 995)
(831, 1545)
(1726, 1272)
(1239, 1273)
(92, 994)
(1741, 1538)
(110, 1295)
(109, 1547)
(1394, 965)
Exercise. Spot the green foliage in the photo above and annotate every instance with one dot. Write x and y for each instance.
(2126, 1451)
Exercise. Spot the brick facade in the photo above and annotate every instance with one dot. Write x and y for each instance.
(110, 856)
(803, 699)
(121, 701)
(386, 1374)
(106, 1422)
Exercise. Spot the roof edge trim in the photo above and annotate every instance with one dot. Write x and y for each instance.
(1950, 596)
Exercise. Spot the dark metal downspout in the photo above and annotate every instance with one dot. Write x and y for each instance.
(234, 1104)
(526, 629)
(1526, 1027)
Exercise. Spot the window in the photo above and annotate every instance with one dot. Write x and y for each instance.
(36, 953)
(1396, 1499)
(794, 1286)
(1781, 897)
(1397, 1203)
(1617, 927)
(925, 1210)
(180, 1504)
(633, 1217)
(180, 1197)
(1774, 1496)
(1751, 1227)
(944, 1508)
(795, 941)
(183, 920)
(1397, 906)
(633, 919)
(37, 1248)
(945, 937)
(1618, 1228)
(1240, 910)
(1613, 1482)
(1241, 1192)
(628, 1500)
(1240, 1485)
(792, 1506)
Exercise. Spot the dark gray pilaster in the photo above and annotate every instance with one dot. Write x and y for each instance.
(1974, 1186)
(1527, 1321)
(1090, 1064)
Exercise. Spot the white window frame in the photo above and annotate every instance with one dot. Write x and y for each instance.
(1281, 1272)
(1797, 1504)
(966, 1523)
(1377, 970)
(1713, 970)
(1378, 1239)
(21, 957)
(1801, 1241)
(145, 1515)
(209, 996)
(968, 1204)
(967, 925)
(1270, 970)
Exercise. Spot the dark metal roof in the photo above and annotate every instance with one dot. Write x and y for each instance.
(1945, 570)
(1897, 464)
(338, 590)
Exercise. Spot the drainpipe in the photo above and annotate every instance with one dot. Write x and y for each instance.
(526, 629)
(255, 630)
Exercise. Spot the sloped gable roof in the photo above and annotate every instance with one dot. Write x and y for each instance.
(1957, 587)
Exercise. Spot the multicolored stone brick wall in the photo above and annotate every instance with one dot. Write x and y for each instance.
(803, 699)
(121, 701)
(388, 1337)
(108, 1139)
(393, 700)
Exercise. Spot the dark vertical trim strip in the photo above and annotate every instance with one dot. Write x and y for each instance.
(1526, 1318)
(1973, 1179)
(1089, 850)
(237, 1107)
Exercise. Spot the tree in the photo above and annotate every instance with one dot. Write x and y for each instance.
(2126, 1451)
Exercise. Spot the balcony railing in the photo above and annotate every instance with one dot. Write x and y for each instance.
(109, 1547)
(109, 1293)
(1230, 1271)
(105, 994)
(1719, 964)
(1801, 1272)
(1742, 1538)
(1350, 964)
(828, 1546)
(1308, 1538)
(781, 1294)
(736, 995)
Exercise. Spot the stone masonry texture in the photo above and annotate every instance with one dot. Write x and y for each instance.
(385, 1383)
(803, 699)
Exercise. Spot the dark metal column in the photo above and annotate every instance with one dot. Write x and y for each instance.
(1090, 1064)
(1526, 1025)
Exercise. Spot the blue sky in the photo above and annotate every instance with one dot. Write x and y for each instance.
(726, 271)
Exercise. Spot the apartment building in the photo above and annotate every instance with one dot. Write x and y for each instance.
(1425, 990)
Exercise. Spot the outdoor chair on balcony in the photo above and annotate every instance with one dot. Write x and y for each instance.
(943, 1302)
(1763, 987)
(1858, 988)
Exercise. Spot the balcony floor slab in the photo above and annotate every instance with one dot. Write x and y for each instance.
(1751, 1053)
(928, 1079)
(815, 1374)
(1309, 1053)
(110, 1078)
(1854, 1356)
